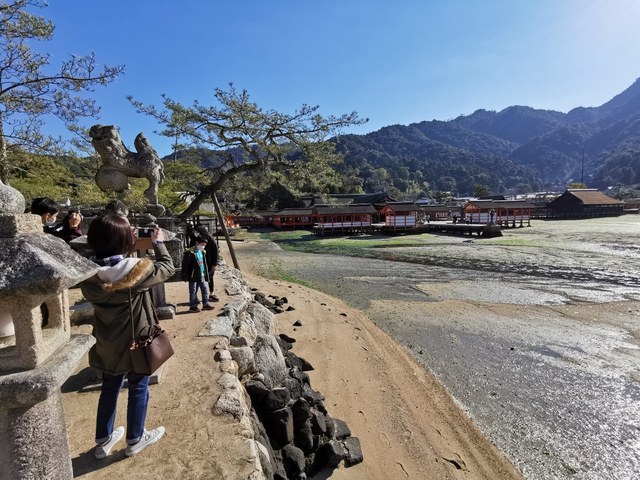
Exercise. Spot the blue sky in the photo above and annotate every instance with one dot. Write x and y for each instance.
(392, 62)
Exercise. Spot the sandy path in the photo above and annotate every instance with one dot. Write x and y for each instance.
(196, 445)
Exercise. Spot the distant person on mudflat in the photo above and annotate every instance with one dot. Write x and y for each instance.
(122, 284)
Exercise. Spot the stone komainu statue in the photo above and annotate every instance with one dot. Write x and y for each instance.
(118, 163)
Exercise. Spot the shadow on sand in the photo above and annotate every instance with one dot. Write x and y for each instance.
(87, 463)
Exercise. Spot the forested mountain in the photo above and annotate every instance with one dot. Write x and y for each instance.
(517, 149)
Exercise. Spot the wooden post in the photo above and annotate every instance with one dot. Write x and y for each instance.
(223, 226)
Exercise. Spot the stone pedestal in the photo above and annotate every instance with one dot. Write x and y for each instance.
(34, 441)
(155, 209)
(176, 250)
(35, 272)
(164, 310)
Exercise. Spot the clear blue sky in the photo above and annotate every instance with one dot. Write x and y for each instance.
(393, 62)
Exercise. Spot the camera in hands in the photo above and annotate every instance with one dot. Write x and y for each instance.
(145, 232)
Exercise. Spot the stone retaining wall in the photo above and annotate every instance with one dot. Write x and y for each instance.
(286, 428)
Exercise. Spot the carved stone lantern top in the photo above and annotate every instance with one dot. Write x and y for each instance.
(39, 266)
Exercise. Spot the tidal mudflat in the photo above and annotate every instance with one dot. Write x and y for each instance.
(535, 334)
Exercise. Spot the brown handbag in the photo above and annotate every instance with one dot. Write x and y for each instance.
(150, 348)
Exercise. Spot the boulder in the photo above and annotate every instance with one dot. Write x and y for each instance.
(331, 454)
(354, 451)
(276, 399)
(218, 326)
(243, 356)
(269, 359)
(303, 437)
(341, 429)
(257, 392)
(279, 427)
(318, 422)
(237, 341)
(294, 387)
(293, 460)
(247, 328)
(264, 320)
(301, 411)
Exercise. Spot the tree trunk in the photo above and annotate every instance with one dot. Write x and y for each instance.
(4, 166)
(193, 206)
(223, 226)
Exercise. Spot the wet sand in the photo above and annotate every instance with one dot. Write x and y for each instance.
(535, 334)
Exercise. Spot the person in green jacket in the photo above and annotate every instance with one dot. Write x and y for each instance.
(112, 240)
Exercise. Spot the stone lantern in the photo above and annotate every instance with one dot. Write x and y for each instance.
(35, 272)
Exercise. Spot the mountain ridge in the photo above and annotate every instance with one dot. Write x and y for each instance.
(533, 149)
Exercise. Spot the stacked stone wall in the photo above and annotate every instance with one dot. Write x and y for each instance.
(265, 387)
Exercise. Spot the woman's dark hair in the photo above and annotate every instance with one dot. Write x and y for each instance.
(110, 235)
(43, 205)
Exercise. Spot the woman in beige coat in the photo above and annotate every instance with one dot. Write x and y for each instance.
(112, 239)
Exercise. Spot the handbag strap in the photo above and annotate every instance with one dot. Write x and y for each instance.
(153, 311)
(133, 331)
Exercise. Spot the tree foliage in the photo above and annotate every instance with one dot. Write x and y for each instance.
(480, 190)
(247, 138)
(30, 87)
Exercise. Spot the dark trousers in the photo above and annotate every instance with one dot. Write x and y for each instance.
(136, 406)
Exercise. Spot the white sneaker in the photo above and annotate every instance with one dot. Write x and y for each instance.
(103, 449)
(149, 437)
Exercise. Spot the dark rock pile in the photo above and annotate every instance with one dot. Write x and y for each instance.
(276, 306)
(300, 436)
(292, 434)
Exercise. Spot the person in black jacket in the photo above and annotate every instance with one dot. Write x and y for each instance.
(195, 271)
(211, 257)
(48, 210)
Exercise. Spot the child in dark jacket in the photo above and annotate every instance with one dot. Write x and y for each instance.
(211, 256)
(195, 271)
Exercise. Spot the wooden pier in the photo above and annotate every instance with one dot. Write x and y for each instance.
(483, 230)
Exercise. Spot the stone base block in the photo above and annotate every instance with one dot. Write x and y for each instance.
(34, 442)
(166, 312)
(24, 223)
(34, 437)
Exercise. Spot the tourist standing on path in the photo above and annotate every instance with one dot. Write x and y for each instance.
(195, 271)
(112, 239)
(211, 257)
